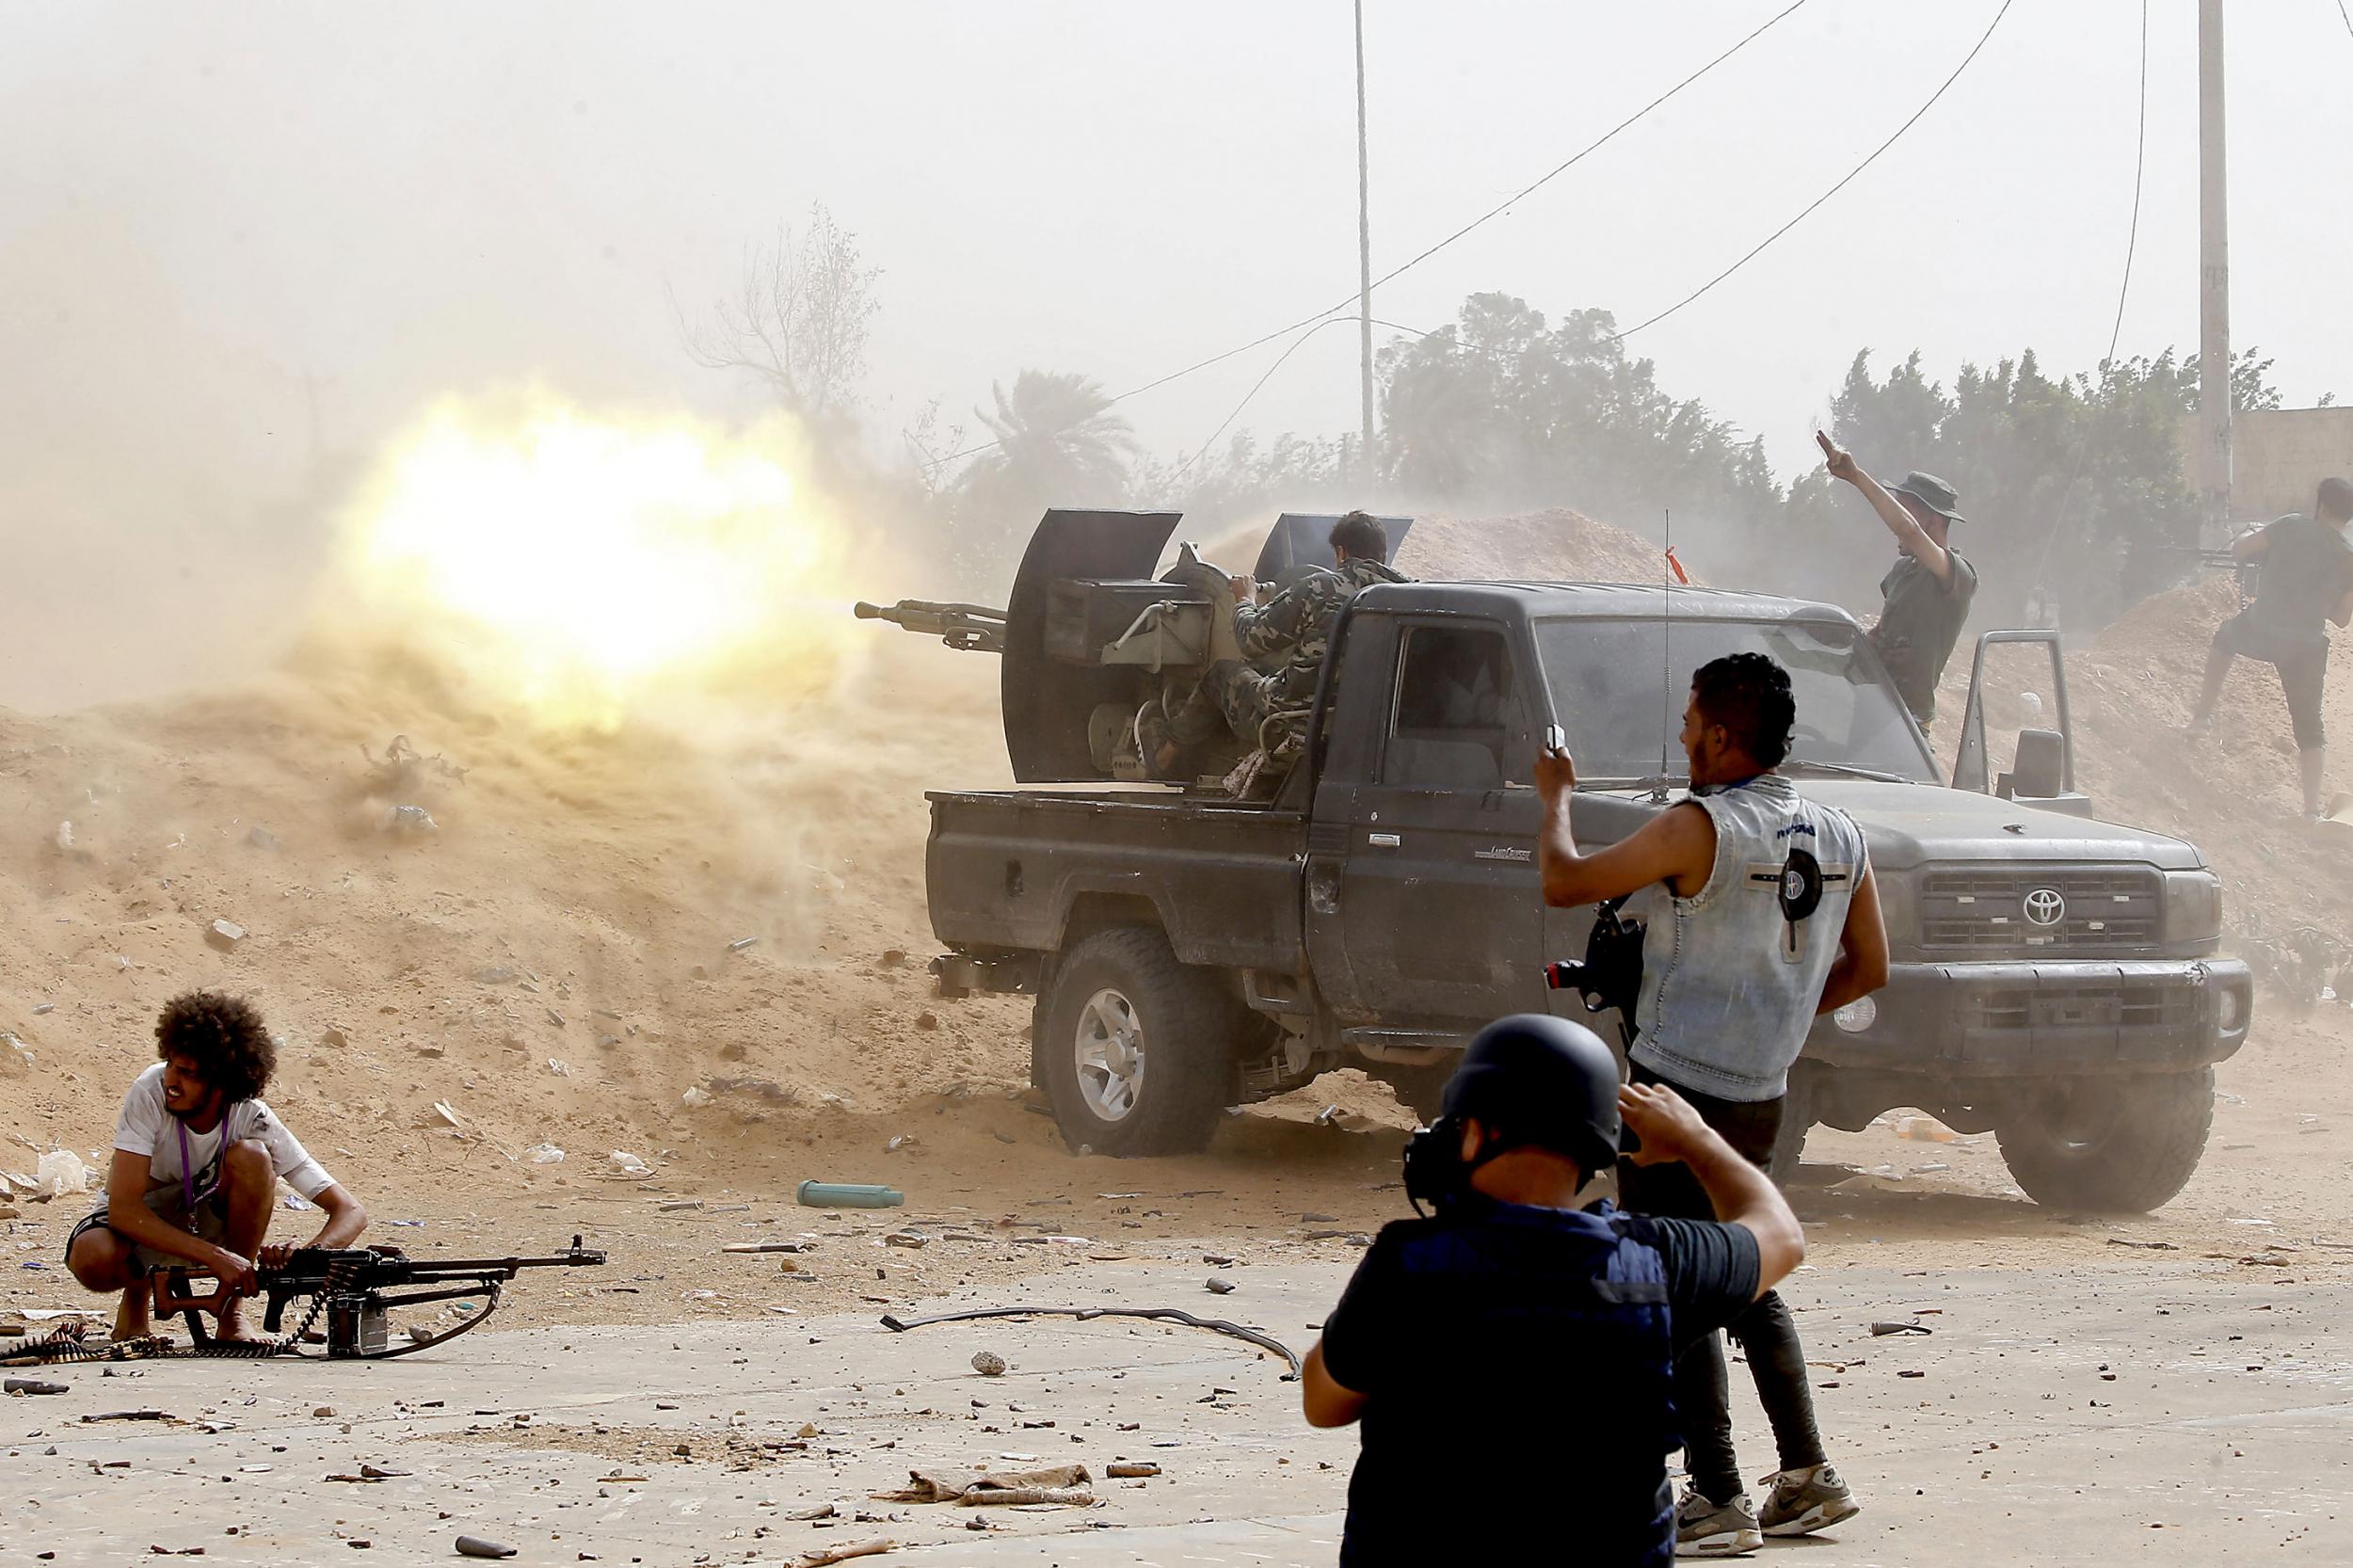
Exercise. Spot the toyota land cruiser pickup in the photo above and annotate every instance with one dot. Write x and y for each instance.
(2055, 978)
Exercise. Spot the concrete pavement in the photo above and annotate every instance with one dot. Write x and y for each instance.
(2172, 1412)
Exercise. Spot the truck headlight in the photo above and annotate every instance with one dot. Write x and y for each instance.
(1857, 1015)
(1898, 912)
(2193, 908)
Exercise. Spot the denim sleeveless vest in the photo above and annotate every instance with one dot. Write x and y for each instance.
(1731, 977)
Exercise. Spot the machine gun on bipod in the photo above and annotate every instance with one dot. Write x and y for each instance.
(357, 1288)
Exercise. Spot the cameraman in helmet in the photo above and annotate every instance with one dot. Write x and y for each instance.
(1531, 1338)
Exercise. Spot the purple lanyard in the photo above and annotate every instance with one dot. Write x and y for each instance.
(189, 1196)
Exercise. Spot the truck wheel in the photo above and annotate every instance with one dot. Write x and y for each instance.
(2117, 1145)
(1137, 1047)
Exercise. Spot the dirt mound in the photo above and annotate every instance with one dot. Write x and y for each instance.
(1552, 545)
(555, 958)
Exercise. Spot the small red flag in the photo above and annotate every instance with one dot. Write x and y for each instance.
(1676, 566)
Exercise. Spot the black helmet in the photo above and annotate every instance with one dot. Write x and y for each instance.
(1545, 1081)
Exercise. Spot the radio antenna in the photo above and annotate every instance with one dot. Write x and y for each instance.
(1665, 654)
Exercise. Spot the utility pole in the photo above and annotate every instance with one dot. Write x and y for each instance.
(2214, 277)
(1364, 245)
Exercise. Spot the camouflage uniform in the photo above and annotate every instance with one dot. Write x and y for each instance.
(1296, 627)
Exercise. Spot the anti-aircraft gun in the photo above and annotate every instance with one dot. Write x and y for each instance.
(1092, 642)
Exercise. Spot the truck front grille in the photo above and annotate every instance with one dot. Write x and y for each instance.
(2138, 1004)
(2106, 909)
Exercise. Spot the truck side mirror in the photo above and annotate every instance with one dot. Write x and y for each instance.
(2040, 771)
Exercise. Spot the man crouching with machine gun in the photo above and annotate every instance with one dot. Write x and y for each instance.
(197, 1157)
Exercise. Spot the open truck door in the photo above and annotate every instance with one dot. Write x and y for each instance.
(2042, 771)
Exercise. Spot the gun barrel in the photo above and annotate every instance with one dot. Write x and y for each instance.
(969, 628)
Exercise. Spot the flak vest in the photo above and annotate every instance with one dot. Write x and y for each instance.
(1731, 977)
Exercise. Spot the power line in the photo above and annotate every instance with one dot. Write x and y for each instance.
(2140, 160)
(1331, 321)
(2062, 519)
(1834, 190)
(2347, 15)
(1588, 149)
(1317, 318)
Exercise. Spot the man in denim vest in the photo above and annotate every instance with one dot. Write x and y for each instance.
(1768, 915)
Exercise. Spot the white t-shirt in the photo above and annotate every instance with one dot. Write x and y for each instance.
(146, 1128)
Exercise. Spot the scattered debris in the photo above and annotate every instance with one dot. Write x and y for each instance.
(410, 819)
(2151, 1246)
(1087, 1314)
(1059, 1483)
(58, 1172)
(473, 1545)
(626, 1163)
(847, 1195)
(34, 1385)
(695, 1099)
(130, 1416)
(1219, 1287)
(225, 935)
(843, 1554)
(262, 838)
(741, 943)
(544, 1154)
(1880, 1331)
(988, 1363)
(1130, 1470)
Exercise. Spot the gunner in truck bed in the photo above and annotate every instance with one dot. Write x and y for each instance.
(1286, 637)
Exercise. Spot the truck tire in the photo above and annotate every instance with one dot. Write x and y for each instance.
(2110, 1145)
(1137, 1048)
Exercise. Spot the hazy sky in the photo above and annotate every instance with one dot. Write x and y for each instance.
(227, 230)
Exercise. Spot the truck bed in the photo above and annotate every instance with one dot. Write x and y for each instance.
(1009, 870)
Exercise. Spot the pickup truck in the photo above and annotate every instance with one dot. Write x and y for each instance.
(2055, 978)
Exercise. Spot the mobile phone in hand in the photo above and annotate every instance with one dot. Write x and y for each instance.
(1556, 738)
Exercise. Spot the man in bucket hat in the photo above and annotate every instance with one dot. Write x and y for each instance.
(1925, 597)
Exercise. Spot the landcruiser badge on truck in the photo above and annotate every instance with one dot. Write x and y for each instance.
(2044, 906)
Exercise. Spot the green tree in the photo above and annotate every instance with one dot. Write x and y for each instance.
(2073, 488)
(1507, 408)
(1058, 443)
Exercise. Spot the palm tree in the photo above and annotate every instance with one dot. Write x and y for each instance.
(1058, 442)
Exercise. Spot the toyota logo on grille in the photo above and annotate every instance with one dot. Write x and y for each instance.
(2045, 907)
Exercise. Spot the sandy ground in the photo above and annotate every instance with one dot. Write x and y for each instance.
(557, 964)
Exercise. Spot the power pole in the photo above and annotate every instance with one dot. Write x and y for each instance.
(1364, 245)
(2213, 277)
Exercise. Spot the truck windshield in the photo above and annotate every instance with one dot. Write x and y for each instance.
(1619, 687)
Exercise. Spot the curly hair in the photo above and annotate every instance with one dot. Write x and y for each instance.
(1748, 694)
(224, 1036)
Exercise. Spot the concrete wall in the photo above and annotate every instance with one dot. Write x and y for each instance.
(2278, 458)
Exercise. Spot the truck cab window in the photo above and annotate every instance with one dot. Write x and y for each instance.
(1452, 714)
